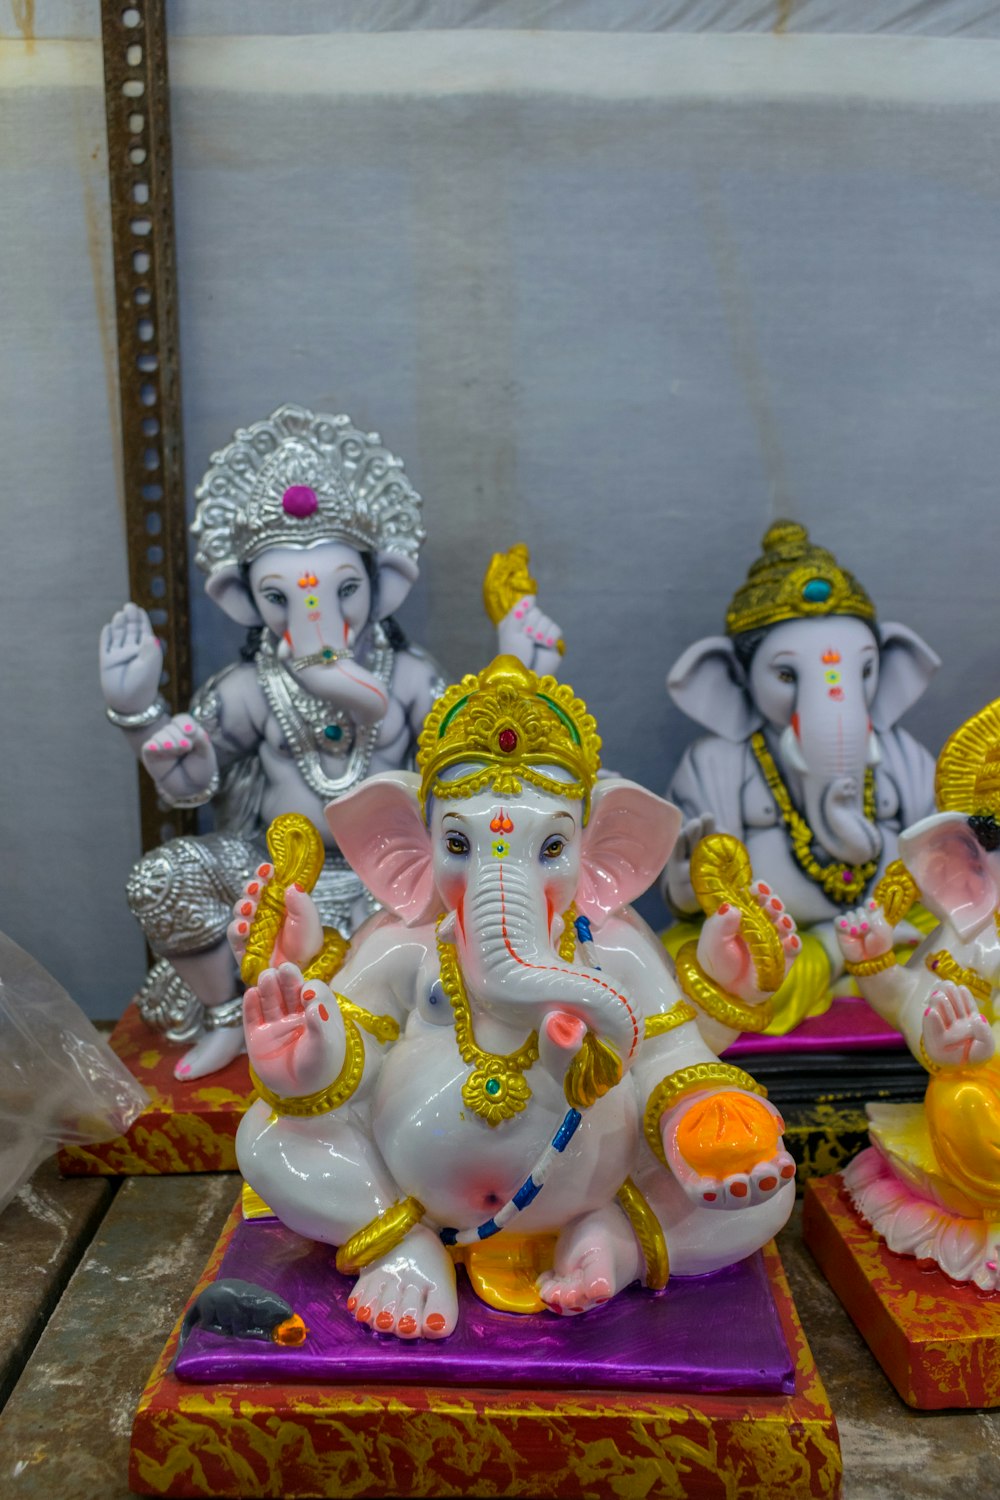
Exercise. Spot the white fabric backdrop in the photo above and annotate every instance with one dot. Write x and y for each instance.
(626, 296)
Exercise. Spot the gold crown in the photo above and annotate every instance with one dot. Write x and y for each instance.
(793, 578)
(967, 778)
(508, 723)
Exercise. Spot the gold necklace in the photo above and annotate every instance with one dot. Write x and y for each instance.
(496, 1089)
(841, 882)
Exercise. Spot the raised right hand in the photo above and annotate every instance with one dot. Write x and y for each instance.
(294, 1031)
(131, 661)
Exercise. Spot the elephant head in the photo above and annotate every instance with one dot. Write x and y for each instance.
(503, 831)
(311, 529)
(954, 856)
(804, 661)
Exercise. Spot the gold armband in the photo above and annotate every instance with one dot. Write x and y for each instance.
(944, 966)
(866, 966)
(382, 1028)
(660, 1025)
(715, 1002)
(379, 1237)
(697, 1076)
(649, 1233)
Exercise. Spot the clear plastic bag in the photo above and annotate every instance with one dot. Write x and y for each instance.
(60, 1082)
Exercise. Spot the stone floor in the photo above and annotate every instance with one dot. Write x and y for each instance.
(96, 1271)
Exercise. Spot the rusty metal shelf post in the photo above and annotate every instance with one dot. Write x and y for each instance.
(137, 104)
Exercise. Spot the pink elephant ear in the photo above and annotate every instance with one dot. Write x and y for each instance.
(380, 830)
(952, 870)
(626, 843)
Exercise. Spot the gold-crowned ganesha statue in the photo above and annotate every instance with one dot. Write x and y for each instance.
(506, 1071)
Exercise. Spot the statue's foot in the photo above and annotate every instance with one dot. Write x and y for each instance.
(596, 1257)
(410, 1291)
(213, 1050)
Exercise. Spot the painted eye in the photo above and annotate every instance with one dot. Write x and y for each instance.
(552, 848)
(456, 843)
(276, 597)
(867, 669)
(348, 588)
(786, 674)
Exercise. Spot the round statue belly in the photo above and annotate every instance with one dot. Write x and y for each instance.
(463, 1170)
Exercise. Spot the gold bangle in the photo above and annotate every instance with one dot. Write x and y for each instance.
(661, 1024)
(648, 1231)
(866, 966)
(697, 1076)
(721, 1007)
(932, 1067)
(944, 966)
(379, 1237)
(382, 1028)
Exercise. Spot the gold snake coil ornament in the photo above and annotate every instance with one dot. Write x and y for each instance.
(297, 855)
(721, 872)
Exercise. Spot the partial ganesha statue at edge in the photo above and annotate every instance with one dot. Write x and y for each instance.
(309, 532)
(930, 1181)
(805, 762)
(507, 1072)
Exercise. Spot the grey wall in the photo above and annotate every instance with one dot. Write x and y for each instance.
(627, 297)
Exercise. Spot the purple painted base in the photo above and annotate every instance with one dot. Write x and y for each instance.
(703, 1333)
(850, 1025)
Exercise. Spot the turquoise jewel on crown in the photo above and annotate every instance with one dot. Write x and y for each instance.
(817, 591)
(333, 731)
(492, 1086)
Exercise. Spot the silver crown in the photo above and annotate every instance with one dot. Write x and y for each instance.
(301, 477)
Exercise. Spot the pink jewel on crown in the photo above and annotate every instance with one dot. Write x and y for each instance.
(299, 501)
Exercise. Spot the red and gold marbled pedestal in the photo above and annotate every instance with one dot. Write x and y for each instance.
(404, 1440)
(187, 1127)
(938, 1341)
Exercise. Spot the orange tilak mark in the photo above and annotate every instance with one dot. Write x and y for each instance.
(435, 1322)
(556, 969)
(831, 656)
(308, 581)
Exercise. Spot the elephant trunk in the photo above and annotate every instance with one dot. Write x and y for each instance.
(348, 687)
(510, 966)
(832, 768)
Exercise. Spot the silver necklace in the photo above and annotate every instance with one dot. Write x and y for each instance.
(306, 721)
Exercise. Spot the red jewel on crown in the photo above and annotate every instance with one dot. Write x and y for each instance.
(299, 501)
(507, 740)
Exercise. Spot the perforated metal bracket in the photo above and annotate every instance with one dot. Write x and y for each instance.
(137, 105)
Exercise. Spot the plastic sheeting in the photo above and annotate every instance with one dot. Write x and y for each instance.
(60, 1082)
